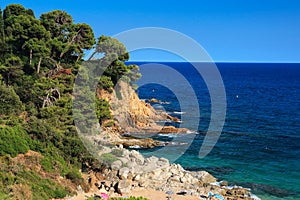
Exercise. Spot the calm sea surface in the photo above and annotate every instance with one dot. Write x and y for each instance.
(259, 146)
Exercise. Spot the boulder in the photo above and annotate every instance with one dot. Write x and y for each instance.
(172, 129)
(116, 165)
(137, 177)
(223, 183)
(153, 100)
(123, 173)
(124, 186)
(152, 159)
(204, 177)
(139, 159)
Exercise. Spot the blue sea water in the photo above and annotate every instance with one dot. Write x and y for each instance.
(259, 146)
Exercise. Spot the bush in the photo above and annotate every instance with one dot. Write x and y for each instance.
(117, 152)
(108, 158)
(102, 110)
(10, 101)
(75, 177)
(106, 83)
(13, 141)
(41, 188)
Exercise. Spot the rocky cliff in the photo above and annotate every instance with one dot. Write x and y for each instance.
(133, 115)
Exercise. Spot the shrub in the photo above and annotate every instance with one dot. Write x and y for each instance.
(102, 110)
(13, 141)
(106, 83)
(75, 177)
(41, 188)
(10, 101)
(117, 152)
(108, 158)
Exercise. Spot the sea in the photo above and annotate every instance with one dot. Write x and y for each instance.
(259, 144)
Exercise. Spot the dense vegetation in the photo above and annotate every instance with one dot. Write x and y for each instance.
(39, 60)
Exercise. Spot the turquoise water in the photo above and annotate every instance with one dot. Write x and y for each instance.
(259, 147)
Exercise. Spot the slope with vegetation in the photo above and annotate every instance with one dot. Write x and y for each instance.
(39, 60)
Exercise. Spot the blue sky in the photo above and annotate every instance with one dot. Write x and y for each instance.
(229, 30)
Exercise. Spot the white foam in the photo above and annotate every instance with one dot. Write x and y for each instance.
(178, 112)
(135, 147)
(253, 196)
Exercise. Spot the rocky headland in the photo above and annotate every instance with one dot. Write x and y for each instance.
(127, 171)
(132, 115)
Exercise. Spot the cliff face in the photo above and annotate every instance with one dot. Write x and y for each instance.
(130, 113)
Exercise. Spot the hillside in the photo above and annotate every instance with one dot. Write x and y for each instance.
(40, 152)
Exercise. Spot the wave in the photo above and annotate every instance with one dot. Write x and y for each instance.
(179, 113)
(135, 147)
(167, 135)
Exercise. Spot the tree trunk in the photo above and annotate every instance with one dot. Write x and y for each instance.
(30, 57)
(39, 65)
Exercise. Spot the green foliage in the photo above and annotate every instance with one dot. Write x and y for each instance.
(13, 141)
(67, 39)
(36, 111)
(10, 101)
(109, 45)
(75, 177)
(109, 123)
(102, 110)
(41, 188)
(106, 83)
(14, 10)
(12, 69)
(117, 152)
(108, 158)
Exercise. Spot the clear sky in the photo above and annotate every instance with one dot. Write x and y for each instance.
(229, 30)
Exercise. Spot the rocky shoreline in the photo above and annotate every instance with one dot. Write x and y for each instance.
(132, 171)
(129, 170)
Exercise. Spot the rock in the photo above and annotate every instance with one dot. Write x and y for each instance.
(162, 163)
(204, 177)
(164, 160)
(223, 183)
(174, 119)
(237, 192)
(137, 177)
(124, 186)
(144, 183)
(79, 189)
(123, 173)
(175, 178)
(151, 160)
(116, 165)
(172, 129)
(137, 156)
(141, 143)
(108, 184)
(153, 100)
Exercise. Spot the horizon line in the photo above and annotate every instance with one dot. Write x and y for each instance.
(179, 61)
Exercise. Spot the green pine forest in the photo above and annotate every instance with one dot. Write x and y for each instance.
(39, 60)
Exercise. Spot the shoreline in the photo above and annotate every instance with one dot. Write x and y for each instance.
(131, 171)
(131, 174)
